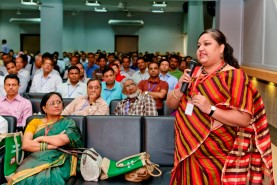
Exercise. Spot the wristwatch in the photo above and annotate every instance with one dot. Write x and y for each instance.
(213, 108)
(146, 92)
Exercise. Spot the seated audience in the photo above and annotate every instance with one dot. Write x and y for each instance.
(6, 58)
(91, 66)
(136, 103)
(111, 90)
(73, 88)
(142, 73)
(3, 125)
(45, 165)
(13, 104)
(36, 65)
(154, 86)
(2, 90)
(165, 76)
(118, 76)
(83, 77)
(126, 67)
(174, 66)
(47, 81)
(73, 61)
(11, 69)
(91, 104)
(98, 73)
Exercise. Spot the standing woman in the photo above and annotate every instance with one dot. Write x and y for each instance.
(45, 165)
(221, 130)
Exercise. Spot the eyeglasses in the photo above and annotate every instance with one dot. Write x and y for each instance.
(130, 86)
(53, 103)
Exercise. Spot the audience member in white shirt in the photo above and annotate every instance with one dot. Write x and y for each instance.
(2, 91)
(73, 88)
(47, 81)
(3, 125)
(20, 63)
(83, 76)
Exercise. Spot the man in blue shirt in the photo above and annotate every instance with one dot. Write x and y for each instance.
(165, 76)
(111, 90)
(90, 67)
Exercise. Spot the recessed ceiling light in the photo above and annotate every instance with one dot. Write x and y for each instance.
(100, 9)
(159, 4)
(158, 11)
(28, 2)
(89, 3)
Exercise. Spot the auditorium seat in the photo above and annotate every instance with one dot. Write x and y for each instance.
(159, 139)
(113, 106)
(114, 137)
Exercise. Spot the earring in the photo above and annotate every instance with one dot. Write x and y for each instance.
(221, 55)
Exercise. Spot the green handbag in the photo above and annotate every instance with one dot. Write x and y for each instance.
(112, 168)
(14, 155)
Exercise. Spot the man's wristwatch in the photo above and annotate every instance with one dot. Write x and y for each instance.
(213, 108)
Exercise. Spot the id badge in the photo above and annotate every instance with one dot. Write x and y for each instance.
(189, 109)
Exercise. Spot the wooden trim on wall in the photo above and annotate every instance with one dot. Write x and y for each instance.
(267, 75)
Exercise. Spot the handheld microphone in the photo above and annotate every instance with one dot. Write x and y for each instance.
(192, 65)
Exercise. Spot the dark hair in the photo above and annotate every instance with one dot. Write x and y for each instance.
(141, 58)
(12, 76)
(102, 56)
(10, 62)
(164, 60)
(46, 97)
(24, 58)
(4, 41)
(220, 38)
(73, 67)
(94, 79)
(107, 69)
(47, 56)
(176, 57)
(158, 64)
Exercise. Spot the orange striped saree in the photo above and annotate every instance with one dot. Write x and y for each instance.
(207, 152)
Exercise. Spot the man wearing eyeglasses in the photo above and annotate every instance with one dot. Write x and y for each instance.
(91, 104)
(136, 103)
(13, 104)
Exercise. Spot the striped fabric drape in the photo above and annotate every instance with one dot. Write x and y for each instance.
(209, 154)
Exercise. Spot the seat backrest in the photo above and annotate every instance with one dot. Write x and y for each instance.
(79, 120)
(114, 137)
(35, 104)
(33, 95)
(67, 101)
(166, 110)
(12, 122)
(113, 106)
(159, 139)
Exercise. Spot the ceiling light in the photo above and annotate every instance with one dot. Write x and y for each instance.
(157, 4)
(158, 11)
(29, 2)
(100, 10)
(95, 3)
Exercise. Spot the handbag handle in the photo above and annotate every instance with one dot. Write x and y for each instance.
(120, 164)
(16, 149)
(155, 166)
(75, 152)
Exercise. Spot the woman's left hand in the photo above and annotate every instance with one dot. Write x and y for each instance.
(202, 103)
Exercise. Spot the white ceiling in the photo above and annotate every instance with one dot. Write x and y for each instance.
(110, 5)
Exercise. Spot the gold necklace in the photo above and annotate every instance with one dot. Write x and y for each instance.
(217, 71)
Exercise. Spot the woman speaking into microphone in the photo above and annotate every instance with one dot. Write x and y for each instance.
(221, 130)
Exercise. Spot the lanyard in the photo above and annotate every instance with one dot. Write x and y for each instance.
(69, 94)
(42, 84)
(150, 89)
(84, 105)
(198, 81)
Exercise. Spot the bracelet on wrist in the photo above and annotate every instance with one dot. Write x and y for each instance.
(177, 97)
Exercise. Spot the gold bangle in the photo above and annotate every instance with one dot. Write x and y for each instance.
(173, 93)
